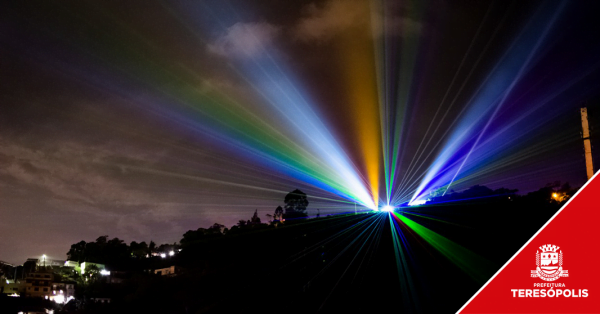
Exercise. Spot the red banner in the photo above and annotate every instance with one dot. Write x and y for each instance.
(554, 272)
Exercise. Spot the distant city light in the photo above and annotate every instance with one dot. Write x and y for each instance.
(163, 255)
(61, 299)
(171, 253)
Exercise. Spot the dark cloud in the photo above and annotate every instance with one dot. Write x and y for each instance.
(323, 21)
(245, 40)
(104, 104)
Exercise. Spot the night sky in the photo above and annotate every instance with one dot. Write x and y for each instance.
(144, 119)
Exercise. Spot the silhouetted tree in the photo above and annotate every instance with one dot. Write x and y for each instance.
(192, 236)
(201, 234)
(216, 228)
(151, 247)
(543, 195)
(102, 240)
(295, 205)
(93, 252)
(77, 252)
(138, 250)
(255, 220)
(115, 250)
(278, 215)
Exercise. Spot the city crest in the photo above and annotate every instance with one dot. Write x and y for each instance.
(549, 260)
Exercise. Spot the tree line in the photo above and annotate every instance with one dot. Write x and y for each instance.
(112, 251)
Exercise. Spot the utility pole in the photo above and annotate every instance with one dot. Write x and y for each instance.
(587, 145)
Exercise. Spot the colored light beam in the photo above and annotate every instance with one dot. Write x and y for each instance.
(396, 63)
(488, 100)
(359, 72)
(295, 141)
(275, 123)
(474, 265)
(403, 258)
(279, 90)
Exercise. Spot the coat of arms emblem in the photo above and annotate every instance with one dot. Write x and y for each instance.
(549, 263)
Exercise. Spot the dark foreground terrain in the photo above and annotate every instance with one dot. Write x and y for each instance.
(336, 264)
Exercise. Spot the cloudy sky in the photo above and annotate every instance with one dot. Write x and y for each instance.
(144, 119)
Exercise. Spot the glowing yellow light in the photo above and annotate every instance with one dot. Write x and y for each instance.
(360, 76)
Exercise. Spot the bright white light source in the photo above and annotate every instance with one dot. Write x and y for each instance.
(417, 202)
(171, 253)
(163, 255)
(104, 272)
(59, 299)
(387, 208)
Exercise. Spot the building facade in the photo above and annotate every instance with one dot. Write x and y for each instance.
(38, 284)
